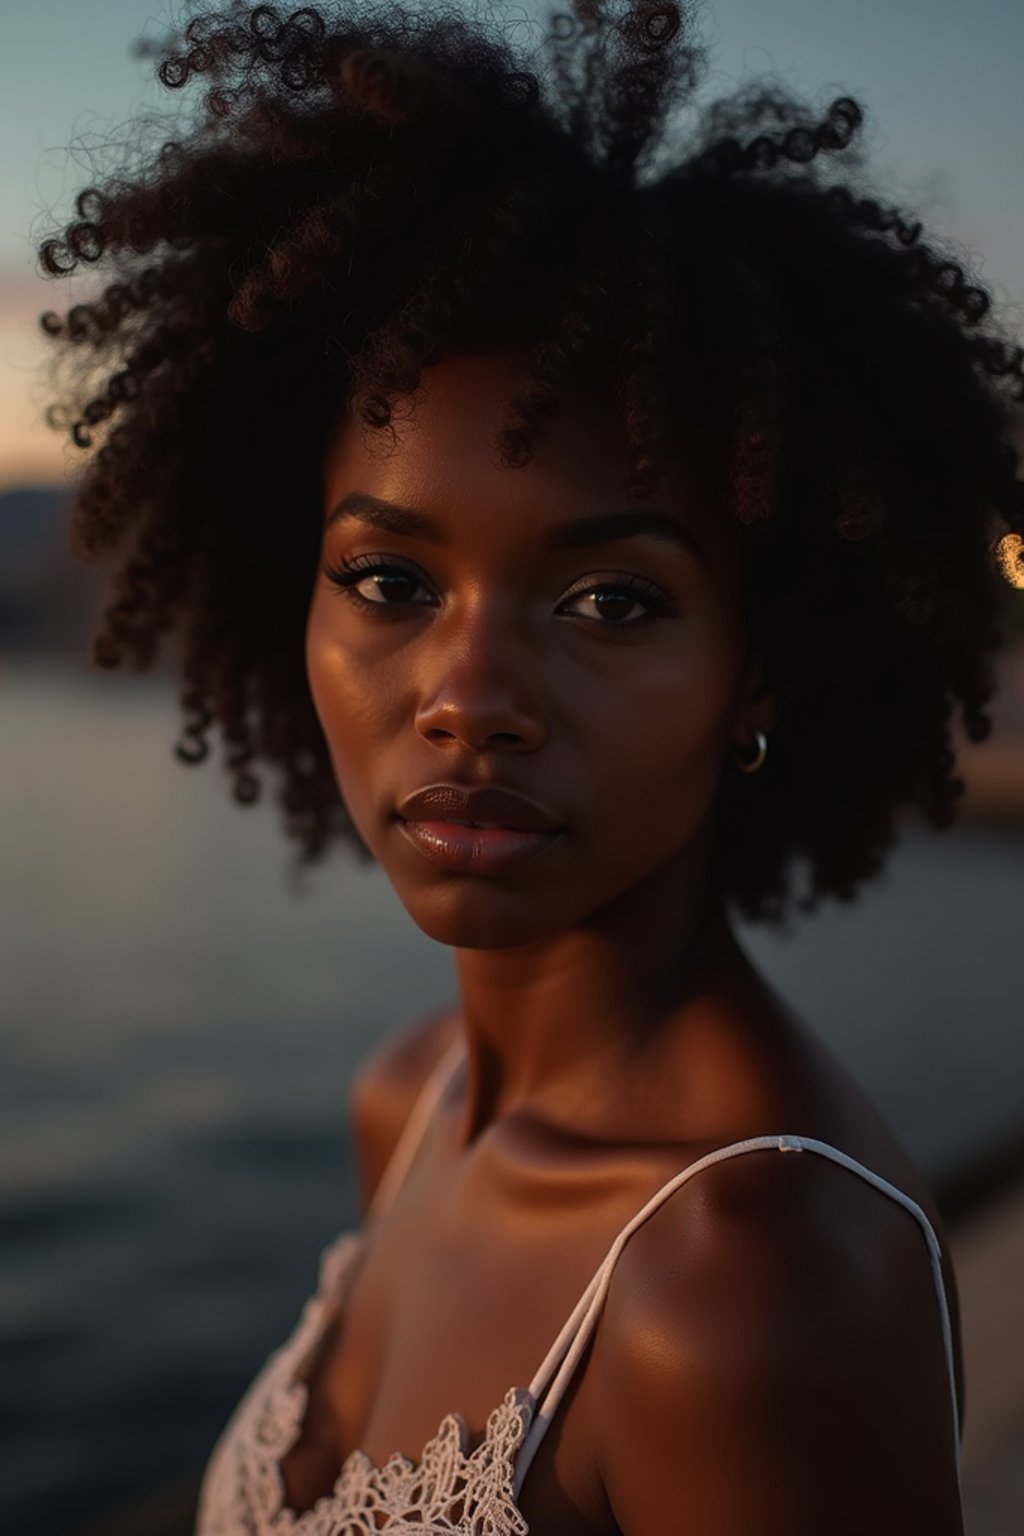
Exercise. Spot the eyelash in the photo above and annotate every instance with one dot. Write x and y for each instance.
(349, 573)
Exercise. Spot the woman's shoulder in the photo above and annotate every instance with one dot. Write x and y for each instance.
(777, 1209)
(787, 1079)
(776, 1316)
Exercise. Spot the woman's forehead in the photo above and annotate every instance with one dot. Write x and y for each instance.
(443, 457)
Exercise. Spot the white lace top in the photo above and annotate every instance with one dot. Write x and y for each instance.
(448, 1489)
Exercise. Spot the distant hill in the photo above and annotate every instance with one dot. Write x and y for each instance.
(27, 515)
(29, 518)
(48, 601)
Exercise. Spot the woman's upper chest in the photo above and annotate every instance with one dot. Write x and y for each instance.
(463, 1288)
(453, 1302)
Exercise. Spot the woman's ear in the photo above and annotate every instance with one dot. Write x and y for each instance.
(757, 706)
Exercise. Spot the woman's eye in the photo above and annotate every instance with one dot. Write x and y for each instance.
(615, 602)
(624, 603)
(393, 583)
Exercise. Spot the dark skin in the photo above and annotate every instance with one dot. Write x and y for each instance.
(602, 1054)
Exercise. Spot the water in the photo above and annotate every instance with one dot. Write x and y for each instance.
(178, 1034)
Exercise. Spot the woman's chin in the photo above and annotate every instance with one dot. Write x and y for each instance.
(479, 915)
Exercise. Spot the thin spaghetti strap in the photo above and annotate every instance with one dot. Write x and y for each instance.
(414, 1130)
(572, 1340)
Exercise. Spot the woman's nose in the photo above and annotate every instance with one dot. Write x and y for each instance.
(482, 690)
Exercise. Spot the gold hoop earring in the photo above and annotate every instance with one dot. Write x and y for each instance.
(751, 765)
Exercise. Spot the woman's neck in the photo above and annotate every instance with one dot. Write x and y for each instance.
(560, 1029)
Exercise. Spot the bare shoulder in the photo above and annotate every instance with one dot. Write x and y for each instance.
(771, 1359)
(384, 1088)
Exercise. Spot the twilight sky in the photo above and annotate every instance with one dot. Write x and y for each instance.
(941, 81)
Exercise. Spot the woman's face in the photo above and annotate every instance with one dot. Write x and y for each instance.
(498, 646)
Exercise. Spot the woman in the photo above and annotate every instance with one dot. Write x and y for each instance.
(597, 546)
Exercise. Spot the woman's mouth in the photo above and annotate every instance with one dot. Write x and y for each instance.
(474, 848)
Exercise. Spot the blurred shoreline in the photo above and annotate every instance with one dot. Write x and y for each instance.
(993, 770)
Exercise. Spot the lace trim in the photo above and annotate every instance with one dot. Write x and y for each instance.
(449, 1490)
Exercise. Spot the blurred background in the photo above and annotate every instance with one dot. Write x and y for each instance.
(177, 1030)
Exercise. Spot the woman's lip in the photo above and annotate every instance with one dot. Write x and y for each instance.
(475, 850)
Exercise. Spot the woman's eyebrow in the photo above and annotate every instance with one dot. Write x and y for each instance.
(603, 528)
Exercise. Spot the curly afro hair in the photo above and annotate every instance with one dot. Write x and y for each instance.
(358, 193)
